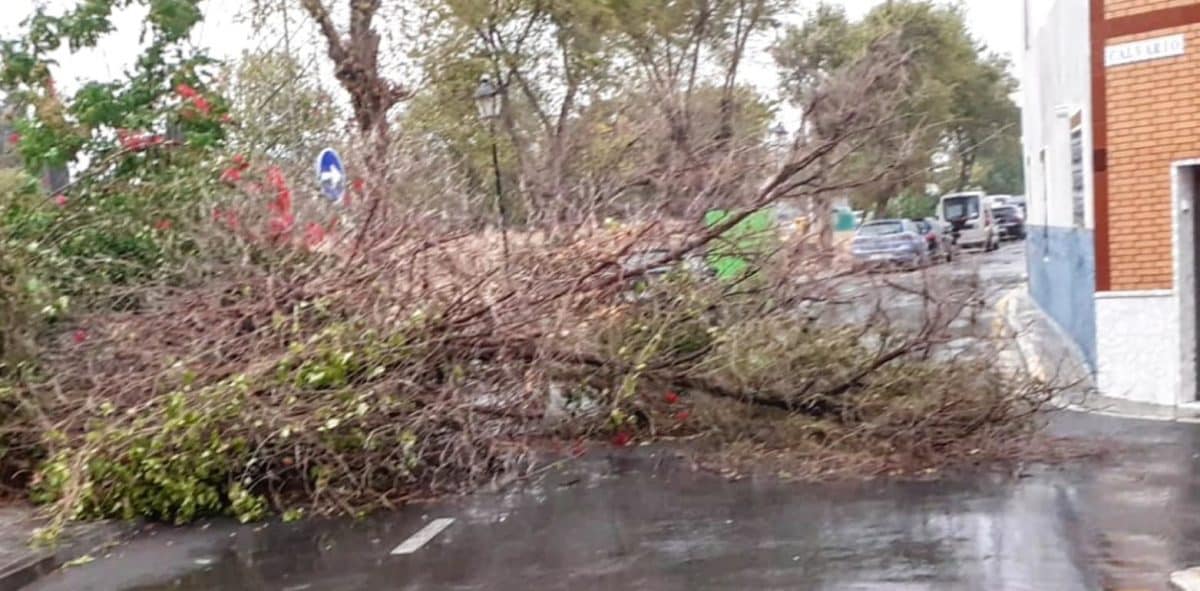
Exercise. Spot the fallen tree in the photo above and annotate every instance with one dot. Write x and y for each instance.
(337, 366)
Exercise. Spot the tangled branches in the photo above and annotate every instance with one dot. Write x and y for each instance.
(406, 353)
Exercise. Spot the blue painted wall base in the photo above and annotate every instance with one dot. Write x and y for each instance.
(1062, 279)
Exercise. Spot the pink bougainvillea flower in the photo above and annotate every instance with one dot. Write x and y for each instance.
(282, 206)
(163, 225)
(186, 91)
(670, 397)
(226, 118)
(60, 200)
(240, 161)
(231, 175)
(358, 185)
(14, 138)
(622, 439)
(279, 225)
(79, 336)
(314, 235)
(137, 142)
(202, 105)
(228, 219)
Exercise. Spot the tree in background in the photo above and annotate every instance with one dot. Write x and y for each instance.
(590, 84)
(957, 112)
(281, 111)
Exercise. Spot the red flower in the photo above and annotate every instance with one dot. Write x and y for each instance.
(670, 397)
(202, 105)
(14, 138)
(228, 218)
(240, 161)
(279, 225)
(282, 206)
(314, 235)
(231, 175)
(358, 185)
(186, 91)
(682, 416)
(79, 336)
(622, 439)
(163, 225)
(136, 142)
(60, 200)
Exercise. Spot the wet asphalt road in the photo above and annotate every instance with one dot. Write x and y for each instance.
(628, 521)
(642, 520)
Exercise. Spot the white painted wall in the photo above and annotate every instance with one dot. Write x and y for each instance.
(1056, 82)
(1137, 344)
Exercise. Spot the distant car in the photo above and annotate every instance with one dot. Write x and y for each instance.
(890, 242)
(1010, 221)
(939, 240)
(970, 216)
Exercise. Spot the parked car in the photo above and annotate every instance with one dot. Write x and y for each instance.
(1019, 201)
(1011, 222)
(939, 240)
(890, 242)
(970, 217)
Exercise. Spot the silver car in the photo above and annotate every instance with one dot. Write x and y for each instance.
(889, 242)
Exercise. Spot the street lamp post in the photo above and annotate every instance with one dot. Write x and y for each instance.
(489, 100)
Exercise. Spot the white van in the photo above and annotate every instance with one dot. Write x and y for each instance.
(970, 219)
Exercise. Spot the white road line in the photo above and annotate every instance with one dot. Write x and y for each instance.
(422, 537)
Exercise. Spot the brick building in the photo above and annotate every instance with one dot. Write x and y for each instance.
(1111, 111)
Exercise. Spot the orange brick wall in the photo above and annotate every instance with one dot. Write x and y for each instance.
(1116, 8)
(1153, 121)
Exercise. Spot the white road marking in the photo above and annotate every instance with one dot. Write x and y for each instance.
(423, 537)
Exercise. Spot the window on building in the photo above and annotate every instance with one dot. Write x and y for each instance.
(1077, 180)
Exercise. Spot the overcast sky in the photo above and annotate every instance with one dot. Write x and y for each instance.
(997, 23)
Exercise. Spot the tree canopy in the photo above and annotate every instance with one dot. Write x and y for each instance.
(957, 123)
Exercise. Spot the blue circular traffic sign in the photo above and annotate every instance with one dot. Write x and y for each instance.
(331, 174)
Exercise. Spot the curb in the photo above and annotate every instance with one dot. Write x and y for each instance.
(1027, 334)
(26, 570)
(1186, 580)
(36, 564)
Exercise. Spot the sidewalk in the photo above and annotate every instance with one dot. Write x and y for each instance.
(21, 563)
(1048, 354)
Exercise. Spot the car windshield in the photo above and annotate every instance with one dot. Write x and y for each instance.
(881, 229)
(957, 208)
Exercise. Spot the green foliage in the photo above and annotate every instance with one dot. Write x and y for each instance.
(175, 462)
(63, 130)
(25, 300)
(913, 206)
(143, 147)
